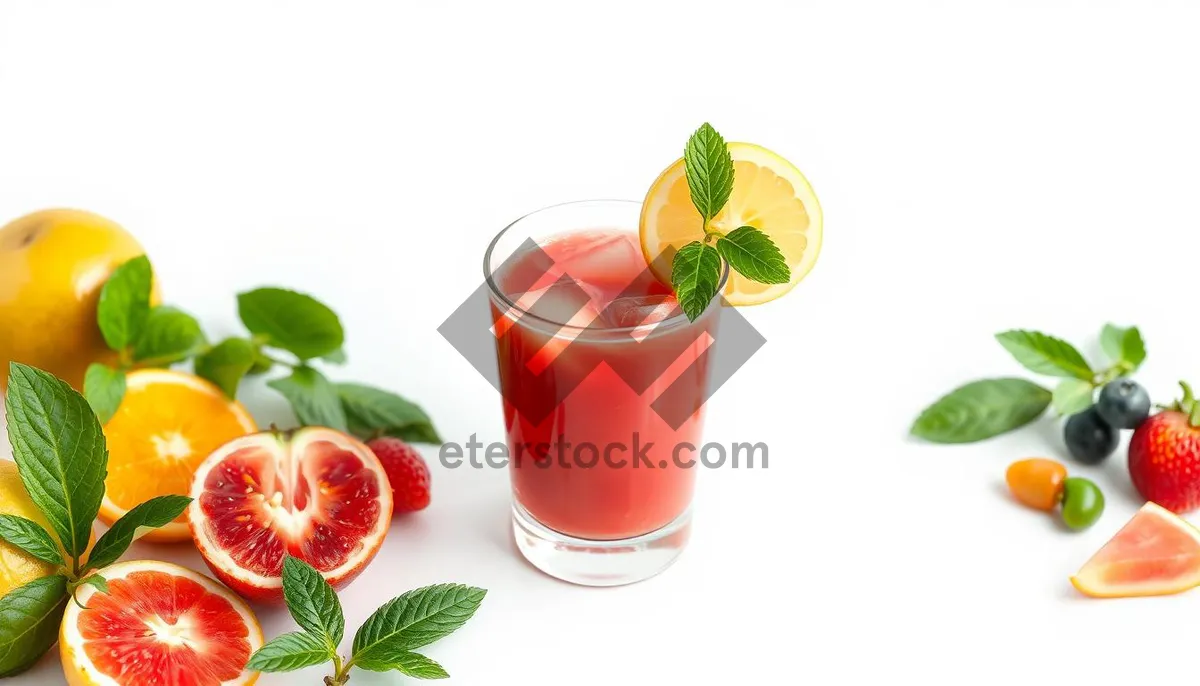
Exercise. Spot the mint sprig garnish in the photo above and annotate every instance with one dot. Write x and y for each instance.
(387, 641)
(696, 268)
(990, 407)
(62, 460)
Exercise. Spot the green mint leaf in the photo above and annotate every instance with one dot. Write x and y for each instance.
(313, 399)
(262, 364)
(410, 664)
(312, 602)
(1072, 396)
(695, 273)
(981, 410)
(96, 581)
(336, 357)
(709, 171)
(151, 514)
(29, 620)
(754, 255)
(1044, 354)
(1123, 345)
(170, 335)
(415, 619)
(372, 412)
(125, 303)
(290, 652)
(292, 321)
(60, 452)
(29, 536)
(226, 363)
(104, 388)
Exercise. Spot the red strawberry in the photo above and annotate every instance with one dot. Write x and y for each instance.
(1164, 456)
(407, 472)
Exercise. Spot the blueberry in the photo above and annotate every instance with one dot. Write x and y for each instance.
(1089, 438)
(1123, 404)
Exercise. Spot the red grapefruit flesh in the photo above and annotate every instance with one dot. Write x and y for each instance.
(316, 494)
(159, 624)
(1155, 553)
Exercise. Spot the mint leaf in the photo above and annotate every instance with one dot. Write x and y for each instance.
(312, 602)
(981, 410)
(709, 171)
(29, 536)
(60, 452)
(415, 619)
(336, 357)
(125, 303)
(29, 620)
(226, 363)
(754, 255)
(170, 335)
(372, 412)
(410, 664)
(1123, 346)
(695, 273)
(1044, 354)
(151, 514)
(292, 321)
(313, 399)
(290, 652)
(96, 581)
(1072, 396)
(104, 388)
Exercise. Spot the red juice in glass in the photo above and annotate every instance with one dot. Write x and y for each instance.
(603, 381)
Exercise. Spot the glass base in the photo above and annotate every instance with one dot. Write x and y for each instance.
(600, 563)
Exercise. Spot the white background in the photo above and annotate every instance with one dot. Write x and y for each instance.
(981, 166)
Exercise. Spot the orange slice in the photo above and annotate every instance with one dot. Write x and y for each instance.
(1155, 553)
(769, 193)
(168, 422)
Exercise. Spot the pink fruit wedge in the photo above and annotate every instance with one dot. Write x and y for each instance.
(1155, 553)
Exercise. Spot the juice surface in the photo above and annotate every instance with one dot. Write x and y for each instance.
(591, 453)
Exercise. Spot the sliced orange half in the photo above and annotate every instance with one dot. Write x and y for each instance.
(769, 193)
(168, 422)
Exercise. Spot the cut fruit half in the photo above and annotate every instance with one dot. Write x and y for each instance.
(159, 624)
(1155, 553)
(167, 423)
(769, 193)
(315, 493)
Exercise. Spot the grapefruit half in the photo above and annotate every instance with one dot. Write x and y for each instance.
(1155, 553)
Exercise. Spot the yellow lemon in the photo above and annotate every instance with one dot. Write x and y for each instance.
(16, 567)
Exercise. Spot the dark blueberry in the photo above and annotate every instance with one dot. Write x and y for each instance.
(1089, 438)
(1123, 404)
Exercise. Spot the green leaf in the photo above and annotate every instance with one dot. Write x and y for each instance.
(1123, 345)
(151, 514)
(29, 536)
(290, 652)
(695, 273)
(226, 363)
(96, 581)
(29, 620)
(170, 336)
(312, 601)
(754, 255)
(125, 303)
(60, 452)
(336, 357)
(415, 619)
(292, 321)
(981, 410)
(410, 664)
(1044, 354)
(372, 412)
(313, 399)
(709, 171)
(104, 388)
(1072, 396)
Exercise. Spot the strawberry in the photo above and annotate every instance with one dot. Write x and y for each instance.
(1164, 456)
(407, 472)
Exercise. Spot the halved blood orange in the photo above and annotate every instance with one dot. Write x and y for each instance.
(1155, 553)
(159, 624)
(314, 493)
